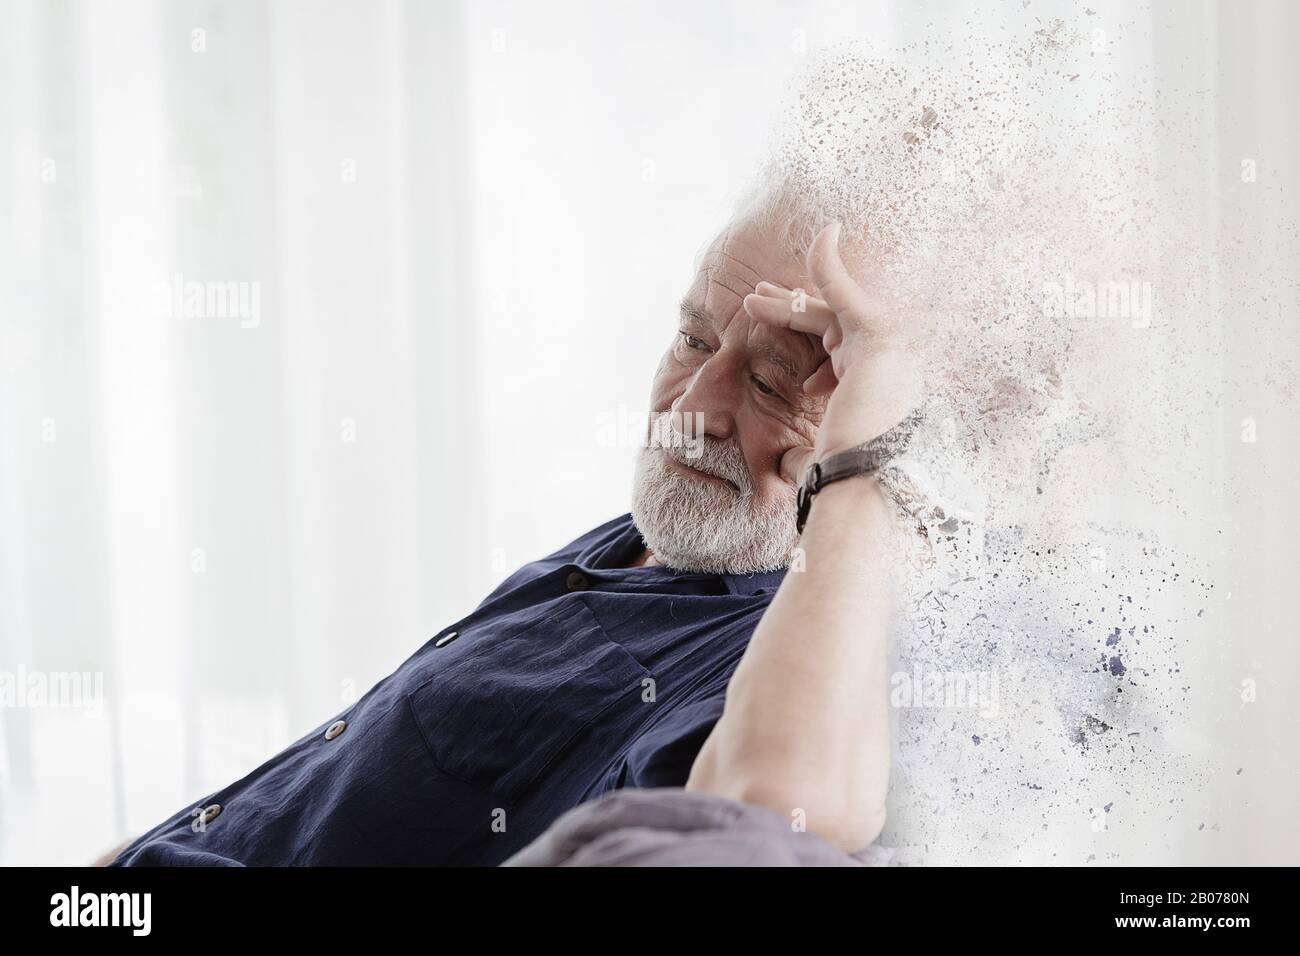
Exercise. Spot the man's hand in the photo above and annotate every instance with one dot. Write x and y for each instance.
(870, 374)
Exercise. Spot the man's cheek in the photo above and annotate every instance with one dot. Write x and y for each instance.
(669, 384)
(804, 429)
(689, 427)
(770, 487)
(771, 474)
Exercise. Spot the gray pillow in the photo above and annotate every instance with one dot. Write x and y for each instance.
(669, 826)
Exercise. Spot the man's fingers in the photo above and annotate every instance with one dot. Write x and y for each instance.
(781, 292)
(795, 462)
(773, 290)
(803, 301)
(822, 381)
(841, 292)
(781, 312)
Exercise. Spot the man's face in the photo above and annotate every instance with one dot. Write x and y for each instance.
(728, 402)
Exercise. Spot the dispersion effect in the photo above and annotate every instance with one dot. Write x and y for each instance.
(1018, 200)
(1086, 659)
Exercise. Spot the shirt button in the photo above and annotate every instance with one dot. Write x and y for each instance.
(210, 813)
(446, 639)
(335, 729)
(576, 581)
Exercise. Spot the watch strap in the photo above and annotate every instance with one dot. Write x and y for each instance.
(864, 459)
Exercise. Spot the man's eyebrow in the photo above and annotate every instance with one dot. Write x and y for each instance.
(783, 362)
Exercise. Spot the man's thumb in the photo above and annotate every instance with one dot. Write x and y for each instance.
(795, 462)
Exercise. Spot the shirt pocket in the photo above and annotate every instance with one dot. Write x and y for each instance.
(497, 712)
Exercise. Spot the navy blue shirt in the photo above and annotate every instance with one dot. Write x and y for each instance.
(574, 677)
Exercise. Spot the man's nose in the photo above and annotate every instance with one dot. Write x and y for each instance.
(708, 405)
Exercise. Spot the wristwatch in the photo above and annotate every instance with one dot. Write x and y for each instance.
(865, 459)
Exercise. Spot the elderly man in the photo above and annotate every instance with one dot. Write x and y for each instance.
(665, 648)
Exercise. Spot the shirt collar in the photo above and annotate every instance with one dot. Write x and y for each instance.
(753, 583)
(624, 542)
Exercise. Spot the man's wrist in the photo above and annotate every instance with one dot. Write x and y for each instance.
(866, 458)
(840, 502)
(877, 396)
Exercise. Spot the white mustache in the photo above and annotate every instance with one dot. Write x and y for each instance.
(716, 457)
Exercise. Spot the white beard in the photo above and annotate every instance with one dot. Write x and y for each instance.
(693, 524)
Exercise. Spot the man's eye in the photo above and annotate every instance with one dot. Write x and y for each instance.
(763, 386)
(692, 342)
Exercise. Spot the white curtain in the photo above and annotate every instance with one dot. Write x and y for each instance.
(437, 248)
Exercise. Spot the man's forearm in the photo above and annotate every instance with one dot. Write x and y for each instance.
(805, 725)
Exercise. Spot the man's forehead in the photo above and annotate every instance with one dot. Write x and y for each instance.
(743, 255)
